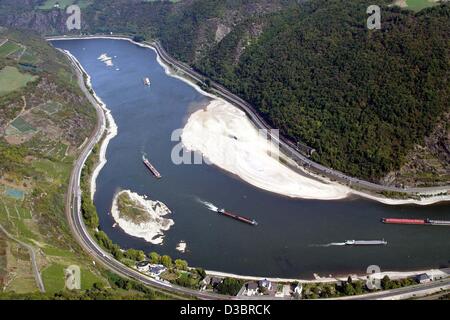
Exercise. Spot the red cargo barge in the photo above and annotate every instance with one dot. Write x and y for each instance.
(403, 221)
(236, 217)
(426, 222)
(151, 168)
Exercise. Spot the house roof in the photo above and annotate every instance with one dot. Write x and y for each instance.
(215, 280)
(157, 268)
(252, 286)
(142, 264)
(424, 276)
(264, 283)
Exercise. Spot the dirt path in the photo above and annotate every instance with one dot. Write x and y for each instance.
(31, 250)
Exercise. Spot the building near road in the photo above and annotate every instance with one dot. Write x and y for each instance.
(424, 278)
(265, 284)
(143, 266)
(156, 270)
(251, 289)
(215, 281)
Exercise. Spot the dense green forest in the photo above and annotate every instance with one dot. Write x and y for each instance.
(361, 98)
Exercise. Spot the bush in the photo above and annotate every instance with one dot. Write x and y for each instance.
(230, 286)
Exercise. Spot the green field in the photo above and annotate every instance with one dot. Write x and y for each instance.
(51, 107)
(29, 58)
(54, 279)
(22, 125)
(8, 48)
(11, 79)
(418, 5)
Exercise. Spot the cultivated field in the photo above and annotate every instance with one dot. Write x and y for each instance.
(11, 79)
(8, 48)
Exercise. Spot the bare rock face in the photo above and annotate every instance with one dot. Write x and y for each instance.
(40, 21)
(221, 32)
(253, 32)
(439, 141)
(427, 164)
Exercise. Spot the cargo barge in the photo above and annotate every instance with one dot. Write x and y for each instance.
(236, 217)
(151, 168)
(365, 243)
(423, 222)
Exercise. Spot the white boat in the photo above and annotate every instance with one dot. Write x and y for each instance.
(147, 81)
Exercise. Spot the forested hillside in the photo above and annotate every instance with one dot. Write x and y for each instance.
(361, 98)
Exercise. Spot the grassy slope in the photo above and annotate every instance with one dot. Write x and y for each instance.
(38, 164)
(35, 166)
(11, 80)
(418, 5)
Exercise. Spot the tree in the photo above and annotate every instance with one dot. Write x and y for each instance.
(181, 264)
(201, 272)
(155, 258)
(138, 38)
(98, 286)
(166, 261)
(229, 286)
(386, 283)
(349, 290)
(133, 254)
(116, 251)
(186, 280)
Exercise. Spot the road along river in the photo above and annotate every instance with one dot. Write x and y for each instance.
(293, 235)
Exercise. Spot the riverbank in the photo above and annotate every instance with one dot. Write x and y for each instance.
(109, 127)
(393, 275)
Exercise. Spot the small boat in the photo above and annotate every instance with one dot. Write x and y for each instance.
(147, 82)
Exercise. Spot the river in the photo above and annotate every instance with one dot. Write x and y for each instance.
(290, 239)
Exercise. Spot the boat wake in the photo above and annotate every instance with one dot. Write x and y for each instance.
(208, 205)
(333, 244)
